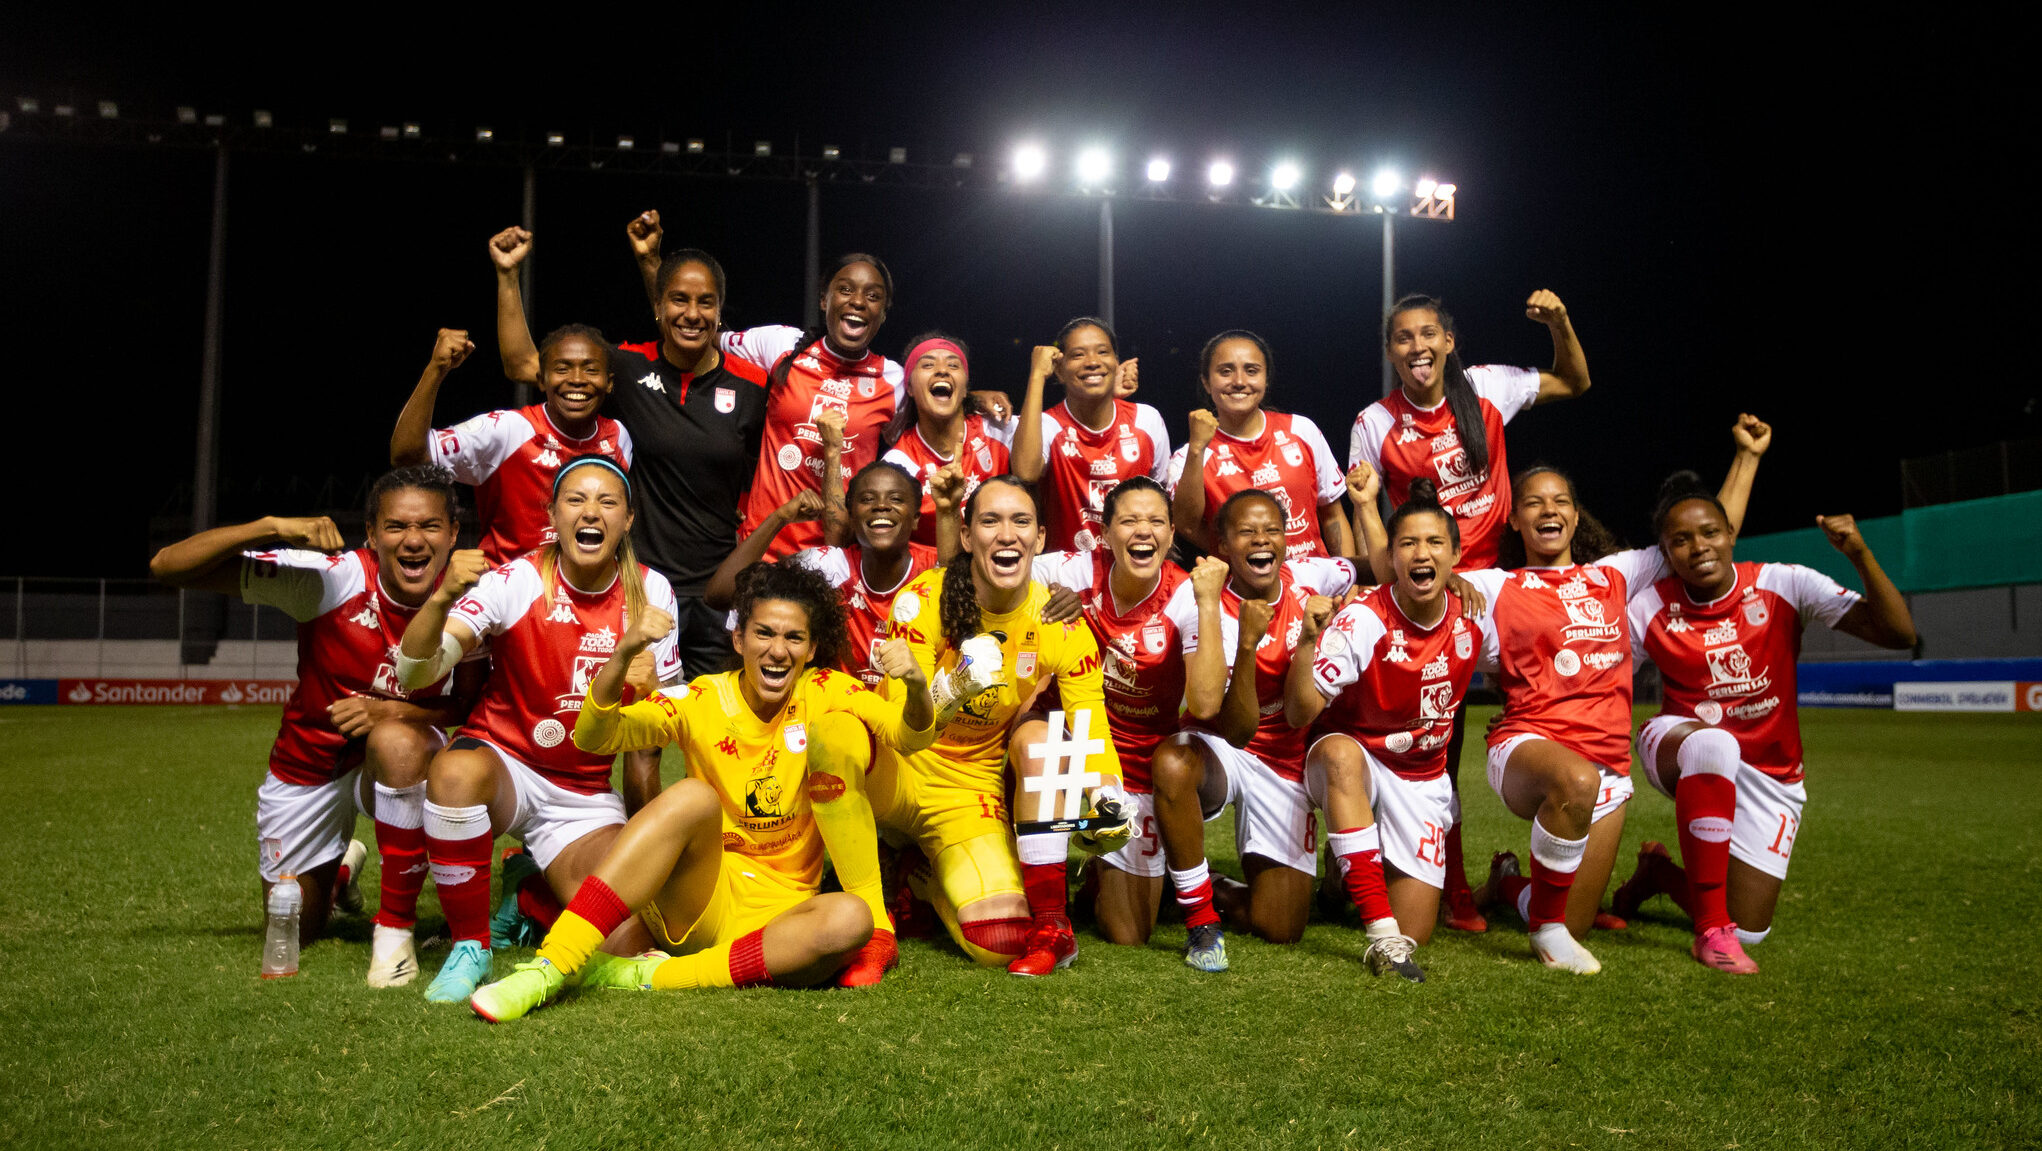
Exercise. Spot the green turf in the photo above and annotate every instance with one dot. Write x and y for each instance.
(1897, 1006)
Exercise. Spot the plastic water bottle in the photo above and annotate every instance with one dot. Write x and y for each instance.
(280, 940)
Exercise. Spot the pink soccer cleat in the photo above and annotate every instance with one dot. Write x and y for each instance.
(1718, 948)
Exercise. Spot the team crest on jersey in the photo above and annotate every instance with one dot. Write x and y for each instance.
(1434, 670)
(1595, 575)
(367, 616)
(983, 453)
(726, 400)
(866, 387)
(762, 798)
(1396, 654)
(653, 383)
(795, 736)
(1731, 672)
(1024, 665)
(1435, 701)
(1129, 449)
(1755, 613)
(1464, 640)
(1293, 454)
(1153, 638)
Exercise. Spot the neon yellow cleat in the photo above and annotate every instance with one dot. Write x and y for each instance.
(531, 986)
(618, 973)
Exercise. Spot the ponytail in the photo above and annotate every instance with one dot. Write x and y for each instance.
(1461, 399)
(959, 608)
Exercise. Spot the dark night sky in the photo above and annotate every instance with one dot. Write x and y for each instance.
(1741, 215)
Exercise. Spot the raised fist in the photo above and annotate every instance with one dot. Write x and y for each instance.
(1843, 534)
(508, 248)
(651, 626)
(315, 532)
(452, 347)
(1545, 307)
(645, 235)
(465, 568)
(1363, 484)
(1043, 361)
(896, 660)
(1127, 380)
(829, 424)
(1318, 609)
(1203, 425)
(1752, 434)
(946, 487)
(806, 505)
(1255, 617)
(1208, 576)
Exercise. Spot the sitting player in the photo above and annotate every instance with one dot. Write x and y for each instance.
(352, 739)
(552, 618)
(725, 867)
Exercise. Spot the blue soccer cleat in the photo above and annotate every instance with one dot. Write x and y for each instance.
(466, 968)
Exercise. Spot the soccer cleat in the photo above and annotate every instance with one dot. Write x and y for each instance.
(1205, 948)
(1457, 910)
(393, 957)
(1051, 944)
(510, 926)
(1393, 953)
(1604, 921)
(618, 973)
(1559, 950)
(1718, 948)
(530, 986)
(880, 955)
(1633, 892)
(467, 966)
(347, 896)
(1110, 805)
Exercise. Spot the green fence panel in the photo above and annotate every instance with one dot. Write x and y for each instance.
(1974, 543)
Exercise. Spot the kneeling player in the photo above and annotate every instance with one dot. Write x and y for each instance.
(1726, 745)
(724, 867)
(351, 739)
(552, 618)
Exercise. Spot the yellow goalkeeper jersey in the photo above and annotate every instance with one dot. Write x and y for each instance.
(758, 767)
(971, 750)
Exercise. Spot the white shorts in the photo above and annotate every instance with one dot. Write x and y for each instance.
(1613, 792)
(1413, 817)
(1768, 810)
(1142, 854)
(549, 816)
(299, 826)
(1272, 815)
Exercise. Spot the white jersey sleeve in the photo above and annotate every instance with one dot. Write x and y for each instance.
(1488, 581)
(1150, 423)
(896, 456)
(762, 346)
(1322, 575)
(1065, 569)
(1365, 445)
(1509, 390)
(499, 599)
(1002, 430)
(474, 448)
(1346, 648)
(666, 653)
(1182, 612)
(897, 379)
(1640, 567)
(1049, 430)
(624, 448)
(1645, 604)
(1175, 474)
(1332, 481)
(302, 584)
(832, 564)
(1815, 596)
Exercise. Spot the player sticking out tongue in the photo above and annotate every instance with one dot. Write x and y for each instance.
(1726, 744)
(1393, 665)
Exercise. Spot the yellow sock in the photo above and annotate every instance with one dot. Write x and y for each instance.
(568, 946)
(839, 752)
(709, 968)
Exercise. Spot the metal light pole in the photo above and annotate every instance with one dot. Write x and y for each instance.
(1389, 287)
(205, 496)
(812, 267)
(1106, 260)
(523, 394)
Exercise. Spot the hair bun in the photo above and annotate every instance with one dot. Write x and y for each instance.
(1423, 492)
(1682, 484)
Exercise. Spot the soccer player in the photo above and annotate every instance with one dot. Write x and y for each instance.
(1240, 444)
(1557, 636)
(1726, 745)
(511, 456)
(1237, 641)
(552, 618)
(695, 417)
(352, 739)
(939, 425)
(725, 867)
(1090, 442)
(1445, 423)
(1398, 661)
(1125, 587)
(867, 575)
(976, 626)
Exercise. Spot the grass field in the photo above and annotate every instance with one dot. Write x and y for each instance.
(1898, 1005)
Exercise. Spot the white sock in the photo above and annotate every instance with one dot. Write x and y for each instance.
(1189, 880)
(1377, 929)
(1047, 847)
(1556, 854)
(1710, 751)
(401, 806)
(454, 823)
(1752, 938)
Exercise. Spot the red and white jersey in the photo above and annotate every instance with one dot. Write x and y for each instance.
(866, 391)
(981, 455)
(1143, 662)
(868, 611)
(1079, 466)
(1396, 685)
(511, 457)
(348, 632)
(1560, 644)
(1730, 663)
(1404, 442)
(545, 650)
(1289, 459)
(1276, 742)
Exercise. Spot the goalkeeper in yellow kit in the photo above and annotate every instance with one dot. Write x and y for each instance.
(975, 628)
(724, 868)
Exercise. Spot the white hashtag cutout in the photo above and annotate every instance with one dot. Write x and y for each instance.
(1072, 784)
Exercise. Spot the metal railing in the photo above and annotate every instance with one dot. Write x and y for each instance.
(86, 626)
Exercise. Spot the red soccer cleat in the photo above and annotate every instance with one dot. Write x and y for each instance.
(1719, 948)
(1457, 910)
(1633, 892)
(1051, 944)
(1604, 921)
(879, 955)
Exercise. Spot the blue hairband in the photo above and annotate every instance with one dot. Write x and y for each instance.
(601, 461)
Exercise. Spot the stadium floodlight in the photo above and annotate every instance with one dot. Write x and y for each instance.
(187, 115)
(1159, 170)
(1385, 183)
(29, 105)
(669, 148)
(64, 111)
(762, 148)
(694, 147)
(832, 152)
(896, 155)
(961, 160)
(626, 143)
(1443, 191)
(336, 127)
(1030, 162)
(1424, 187)
(1095, 165)
(1343, 184)
(412, 131)
(387, 132)
(215, 120)
(263, 119)
(484, 135)
(1284, 176)
(1220, 174)
(108, 110)
(556, 139)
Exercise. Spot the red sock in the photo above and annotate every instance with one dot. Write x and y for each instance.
(1456, 872)
(748, 960)
(1360, 848)
(1670, 880)
(599, 906)
(457, 841)
(536, 899)
(1704, 806)
(1194, 895)
(1509, 888)
(1048, 888)
(1549, 888)
(402, 852)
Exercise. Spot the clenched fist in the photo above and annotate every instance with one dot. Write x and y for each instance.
(508, 248)
(651, 626)
(465, 568)
(450, 348)
(645, 235)
(1546, 308)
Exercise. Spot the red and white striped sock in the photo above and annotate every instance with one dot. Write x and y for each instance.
(1194, 894)
(457, 841)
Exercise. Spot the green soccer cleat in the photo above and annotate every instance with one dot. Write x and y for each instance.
(619, 973)
(466, 967)
(510, 926)
(532, 985)
(1205, 948)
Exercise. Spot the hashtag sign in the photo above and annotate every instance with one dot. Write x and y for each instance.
(1072, 784)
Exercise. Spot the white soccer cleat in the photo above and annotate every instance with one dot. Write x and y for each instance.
(1558, 949)
(393, 957)
(348, 896)
(978, 667)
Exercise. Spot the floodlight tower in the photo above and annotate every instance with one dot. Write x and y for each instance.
(1430, 200)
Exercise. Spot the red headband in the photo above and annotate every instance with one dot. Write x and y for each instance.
(936, 345)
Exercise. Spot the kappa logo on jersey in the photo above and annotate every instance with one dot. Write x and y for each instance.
(367, 616)
(1532, 582)
(652, 382)
(1731, 672)
(1227, 468)
(1675, 622)
(1437, 669)
(1069, 448)
(547, 459)
(602, 640)
(1409, 432)
(727, 746)
(1396, 654)
(563, 610)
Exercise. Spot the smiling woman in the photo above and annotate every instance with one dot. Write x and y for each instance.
(1093, 440)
